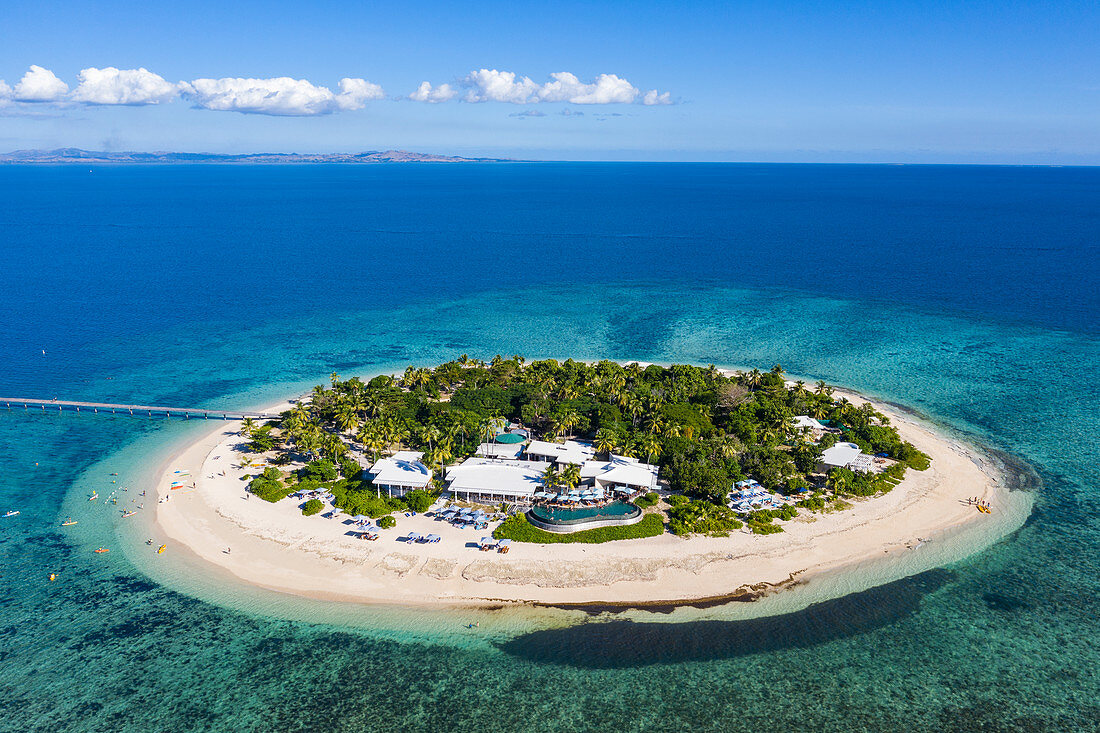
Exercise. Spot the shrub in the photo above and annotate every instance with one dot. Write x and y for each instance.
(268, 487)
(311, 507)
(648, 500)
(419, 501)
(517, 528)
(319, 471)
(765, 528)
(387, 522)
(701, 517)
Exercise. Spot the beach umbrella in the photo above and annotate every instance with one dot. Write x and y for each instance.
(360, 518)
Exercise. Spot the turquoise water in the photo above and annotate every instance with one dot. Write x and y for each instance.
(560, 515)
(967, 294)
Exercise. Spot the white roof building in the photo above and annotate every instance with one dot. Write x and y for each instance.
(620, 472)
(494, 479)
(844, 455)
(499, 450)
(571, 451)
(401, 472)
(805, 421)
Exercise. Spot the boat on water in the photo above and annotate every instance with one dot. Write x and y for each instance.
(101, 550)
(68, 523)
(93, 497)
(53, 576)
(161, 549)
(128, 514)
(11, 513)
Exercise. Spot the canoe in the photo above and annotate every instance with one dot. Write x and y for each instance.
(161, 549)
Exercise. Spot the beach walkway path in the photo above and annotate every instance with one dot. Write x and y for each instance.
(204, 413)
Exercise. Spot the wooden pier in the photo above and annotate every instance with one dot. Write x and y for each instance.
(204, 413)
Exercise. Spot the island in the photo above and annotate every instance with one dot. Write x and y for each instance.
(567, 482)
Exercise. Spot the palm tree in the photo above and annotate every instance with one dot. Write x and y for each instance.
(651, 444)
(606, 441)
(837, 481)
(247, 426)
(335, 379)
(653, 424)
(550, 477)
(570, 476)
(346, 417)
(778, 370)
(568, 421)
(822, 388)
(752, 379)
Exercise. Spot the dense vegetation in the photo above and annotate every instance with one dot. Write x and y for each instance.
(517, 528)
(700, 516)
(703, 428)
(313, 506)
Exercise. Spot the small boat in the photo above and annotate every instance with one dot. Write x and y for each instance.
(11, 513)
(161, 549)
(93, 497)
(53, 576)
(101, 550)
(68, 523)
(128, 514)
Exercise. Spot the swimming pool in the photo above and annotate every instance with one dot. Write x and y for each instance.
(575, 519)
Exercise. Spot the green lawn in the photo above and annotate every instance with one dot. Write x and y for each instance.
(517, 528)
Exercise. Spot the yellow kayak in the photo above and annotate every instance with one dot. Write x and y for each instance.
(68, 523)
(161, 549)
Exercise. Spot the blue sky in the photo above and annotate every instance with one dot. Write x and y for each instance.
(884, 81)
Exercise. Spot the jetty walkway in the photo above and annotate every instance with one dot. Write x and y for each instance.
(205, 413)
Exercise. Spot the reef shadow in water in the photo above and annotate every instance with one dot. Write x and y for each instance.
(624, 643)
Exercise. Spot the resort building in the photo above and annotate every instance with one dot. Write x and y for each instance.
(571, 451)
(806, 422)
(401, 472)
(846, 455)
(621, 474)
(493, 480)
(499, 450)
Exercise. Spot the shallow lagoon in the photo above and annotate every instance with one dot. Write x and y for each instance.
(1005, 639)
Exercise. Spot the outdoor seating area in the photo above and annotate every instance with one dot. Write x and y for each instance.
(749, 495)
(422, 539)
(464, 517)
(583, 497)
(364, 529)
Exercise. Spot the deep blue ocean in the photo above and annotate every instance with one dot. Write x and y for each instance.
(971, 294)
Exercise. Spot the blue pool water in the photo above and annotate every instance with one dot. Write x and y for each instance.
(968, 293)
(571, 515)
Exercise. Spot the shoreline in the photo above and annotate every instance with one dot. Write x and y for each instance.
(275, 548)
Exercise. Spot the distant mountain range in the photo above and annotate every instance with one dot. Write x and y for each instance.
(76, 155)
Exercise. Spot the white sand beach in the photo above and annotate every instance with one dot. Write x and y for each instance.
(275, 547)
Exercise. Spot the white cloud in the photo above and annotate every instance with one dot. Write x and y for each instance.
(652, 97)
(278, 96)
(5, 91)
(355, 93)
(607, 89)
(122, 86)
(39, 85)
(492, 85)
(433, 95)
